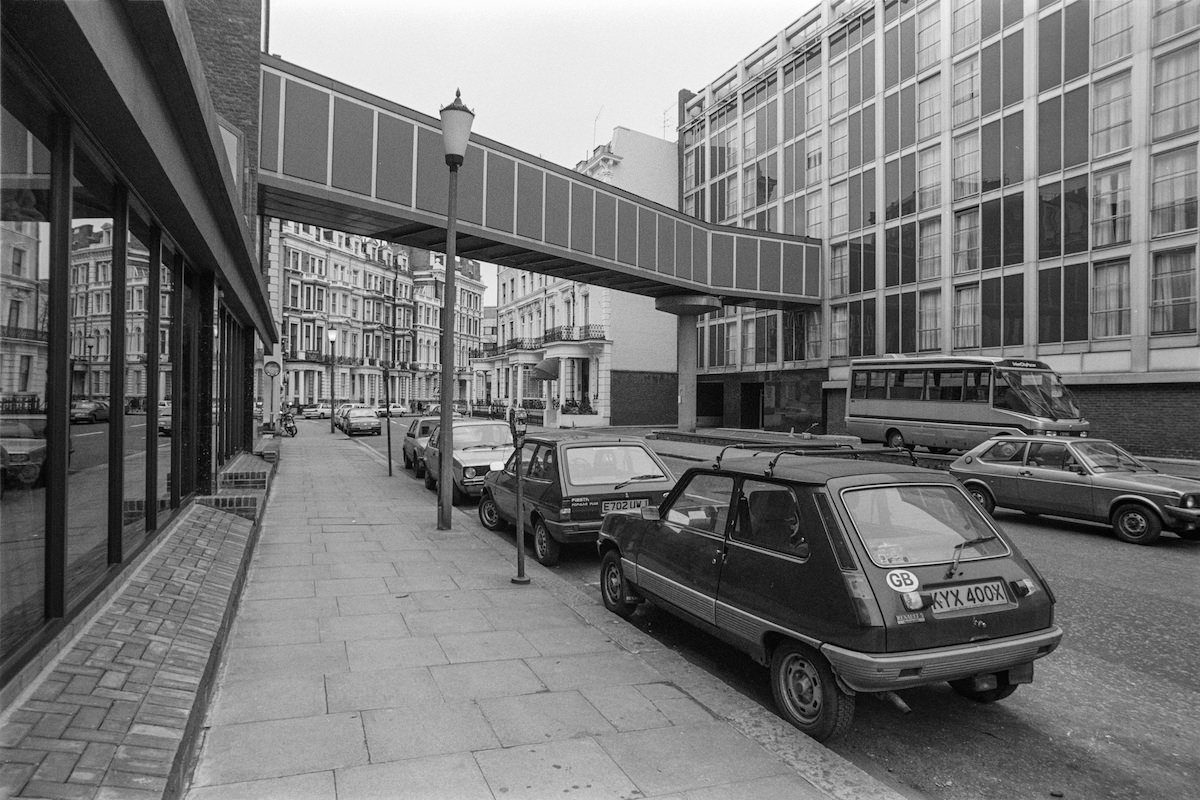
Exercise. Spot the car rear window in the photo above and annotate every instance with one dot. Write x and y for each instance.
(919, 524)
(592, 465)
(466, 436)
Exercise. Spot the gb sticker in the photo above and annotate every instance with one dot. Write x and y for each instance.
(901, 580)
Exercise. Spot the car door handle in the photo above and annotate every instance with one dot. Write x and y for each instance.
(1024, 473)
(718, 556)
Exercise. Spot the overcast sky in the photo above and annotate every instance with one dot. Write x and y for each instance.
(549, 77)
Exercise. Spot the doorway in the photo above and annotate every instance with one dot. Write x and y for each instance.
(752, 406)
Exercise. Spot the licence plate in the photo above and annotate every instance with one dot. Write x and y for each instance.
(974, 595)
(621, 505)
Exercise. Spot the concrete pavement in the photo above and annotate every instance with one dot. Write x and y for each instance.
(375, 656)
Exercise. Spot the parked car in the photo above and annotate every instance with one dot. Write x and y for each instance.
(164, 417)
(396, 410)
(89, 411)
(339, 416)
(571, 480)
(22, 450)
(415, 439)
(842, 576)
(319, 411)
(1086, 479)
(361, 420)
(477, 445)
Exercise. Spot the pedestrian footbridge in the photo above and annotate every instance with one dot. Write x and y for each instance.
(334, 156)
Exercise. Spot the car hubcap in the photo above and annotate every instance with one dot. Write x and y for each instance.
(1134, 524)
(802, 688)
(612, 583)
(489, 513)
(539, 540)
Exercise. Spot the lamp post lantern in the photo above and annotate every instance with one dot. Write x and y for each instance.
(456, 132)
(332, 338)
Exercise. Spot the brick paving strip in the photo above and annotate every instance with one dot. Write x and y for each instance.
(115, 717)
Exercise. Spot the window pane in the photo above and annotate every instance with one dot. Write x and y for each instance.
(1176, 104)
(1173, 192)
(1173, 293)
(1110, 299)
(25, 352)
(91, 332)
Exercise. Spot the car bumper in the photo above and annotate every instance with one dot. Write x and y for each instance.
(583, 532)
(871, 672)
(1181, 519)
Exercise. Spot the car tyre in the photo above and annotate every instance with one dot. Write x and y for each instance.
(807, 694)
(407, 461)
(895, 438)
(1136, 524)
(457, 495)
(983, 497)
(965, 688)
(489, 513)
(545, 549)
(418, 468)
(613, 588)
(430, 481)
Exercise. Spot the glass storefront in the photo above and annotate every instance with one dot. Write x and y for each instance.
(25, 229)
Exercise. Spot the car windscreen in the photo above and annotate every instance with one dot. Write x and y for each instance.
(611, 465)
(1108, 457)
(481, 436)
(1040, 394)
(908, 524)
(361, 413)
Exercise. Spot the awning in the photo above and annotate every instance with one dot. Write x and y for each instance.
(545, 370)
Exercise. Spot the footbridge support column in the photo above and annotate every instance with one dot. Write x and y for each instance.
(687, 307)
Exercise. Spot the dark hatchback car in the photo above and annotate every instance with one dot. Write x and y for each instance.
(571, 480)
(1087, 479)
(842, 576)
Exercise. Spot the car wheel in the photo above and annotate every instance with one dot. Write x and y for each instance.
(457, 495)
(545, 549)
(407, 461)
(430, 481)
(895, 438)
(1136, 524)
(965, 687)
(613, 588)
(939, 451)
(807, 694)
(489, 513)
(418, 468)
(983, 497)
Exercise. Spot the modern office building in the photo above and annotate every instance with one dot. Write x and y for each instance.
(1000, 177)
(612, 353)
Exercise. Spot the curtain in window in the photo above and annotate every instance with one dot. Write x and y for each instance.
(929, 257)
(1173, 194)
(1174, 16)
(1173, 293)
(966, 241)
(840, 332)
(966, 316)
(1110, 300)
(966, 166)
(1113, 30)
(1110, 208)
(1176, 94)
(839, 268)
(929, 321)
(1111, 115)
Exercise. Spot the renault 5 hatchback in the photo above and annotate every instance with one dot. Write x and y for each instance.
(841, 576)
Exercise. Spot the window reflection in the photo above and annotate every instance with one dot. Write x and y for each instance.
(137, 301)
(166, 394)
(24, 354)
(90, 294)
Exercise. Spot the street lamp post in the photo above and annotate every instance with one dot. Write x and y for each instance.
(456, 132)
(93, 343)
(332, 338)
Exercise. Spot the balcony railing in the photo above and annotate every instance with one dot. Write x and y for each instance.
(574, 333)
(28, 334)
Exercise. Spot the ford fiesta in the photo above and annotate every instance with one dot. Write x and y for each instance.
(841, 576)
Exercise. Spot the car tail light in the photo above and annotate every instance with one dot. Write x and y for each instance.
(1023, 587)
(863, 600)
(1042, 581)
(564, 512)
(916, 601)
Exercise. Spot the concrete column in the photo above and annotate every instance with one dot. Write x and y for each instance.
(687, 307)
(685, 368)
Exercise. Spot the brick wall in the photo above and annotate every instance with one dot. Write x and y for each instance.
(1160, 420)
(645, 398)
(228, 36)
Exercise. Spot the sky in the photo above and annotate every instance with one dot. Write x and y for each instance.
(548, 77)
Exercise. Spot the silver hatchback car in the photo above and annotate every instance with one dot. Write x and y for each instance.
(1087, 479)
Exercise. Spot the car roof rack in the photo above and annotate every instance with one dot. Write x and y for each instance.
(855, 452)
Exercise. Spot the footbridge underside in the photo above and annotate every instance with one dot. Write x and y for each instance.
(334, 156)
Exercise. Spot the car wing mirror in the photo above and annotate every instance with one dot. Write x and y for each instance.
(650, 513)
(1076, 468)
(496, 466)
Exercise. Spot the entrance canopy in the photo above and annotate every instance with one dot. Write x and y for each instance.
(336, 157)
